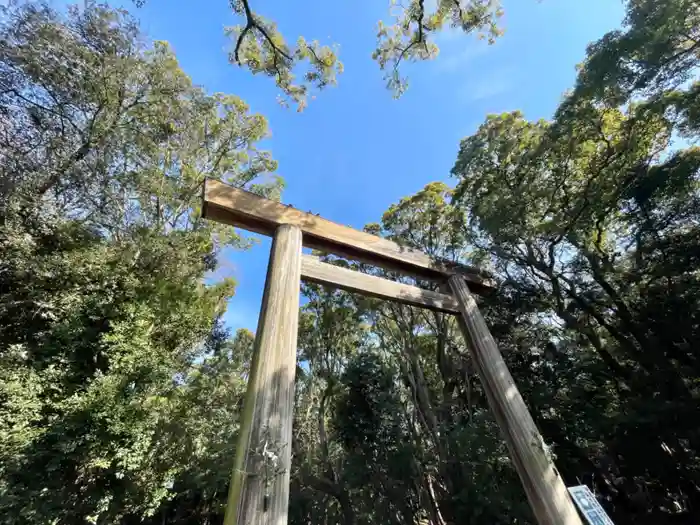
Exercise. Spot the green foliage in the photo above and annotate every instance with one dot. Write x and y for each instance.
(87, 96)
(392, 425)
(656, 50)
(119, 389)
(366, 413)
(410, 37)
(428, 222)
(307, 66)
(100, 340)
(262, 48)
(594, 216)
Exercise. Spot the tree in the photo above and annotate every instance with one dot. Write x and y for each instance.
(462, 450)
(96, 357)
(88, 96)
(594, 214)
(331, 332)
(119, 386)
(656, 50)
(199, 436)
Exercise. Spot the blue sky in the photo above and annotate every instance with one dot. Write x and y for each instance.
(355, 150)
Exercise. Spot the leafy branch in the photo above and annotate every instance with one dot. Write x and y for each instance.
(253, 24)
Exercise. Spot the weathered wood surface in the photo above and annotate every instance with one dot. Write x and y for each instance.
(259, 491)
(544, 487)
(314, 270)
(229, 205)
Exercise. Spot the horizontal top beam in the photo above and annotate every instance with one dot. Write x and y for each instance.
(229, 205)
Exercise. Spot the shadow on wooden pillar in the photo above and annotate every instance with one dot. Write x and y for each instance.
(259, 491)
(544, 487)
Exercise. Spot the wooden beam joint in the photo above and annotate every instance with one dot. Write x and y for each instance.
(229, 205)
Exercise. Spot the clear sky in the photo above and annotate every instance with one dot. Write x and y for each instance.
(354, 150)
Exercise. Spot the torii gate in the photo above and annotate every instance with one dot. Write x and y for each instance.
(259, 490)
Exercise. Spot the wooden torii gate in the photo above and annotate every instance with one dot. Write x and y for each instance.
(259, 490)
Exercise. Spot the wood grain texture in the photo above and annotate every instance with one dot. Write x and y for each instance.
(544, 487)
(259, 490)
(314, 270)
(246, 210)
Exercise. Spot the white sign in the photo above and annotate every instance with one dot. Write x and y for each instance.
(589, 506)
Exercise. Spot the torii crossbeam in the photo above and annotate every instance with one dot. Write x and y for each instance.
(259, 491)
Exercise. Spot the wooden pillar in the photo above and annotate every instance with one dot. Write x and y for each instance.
(259, 490)
(544, 487)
